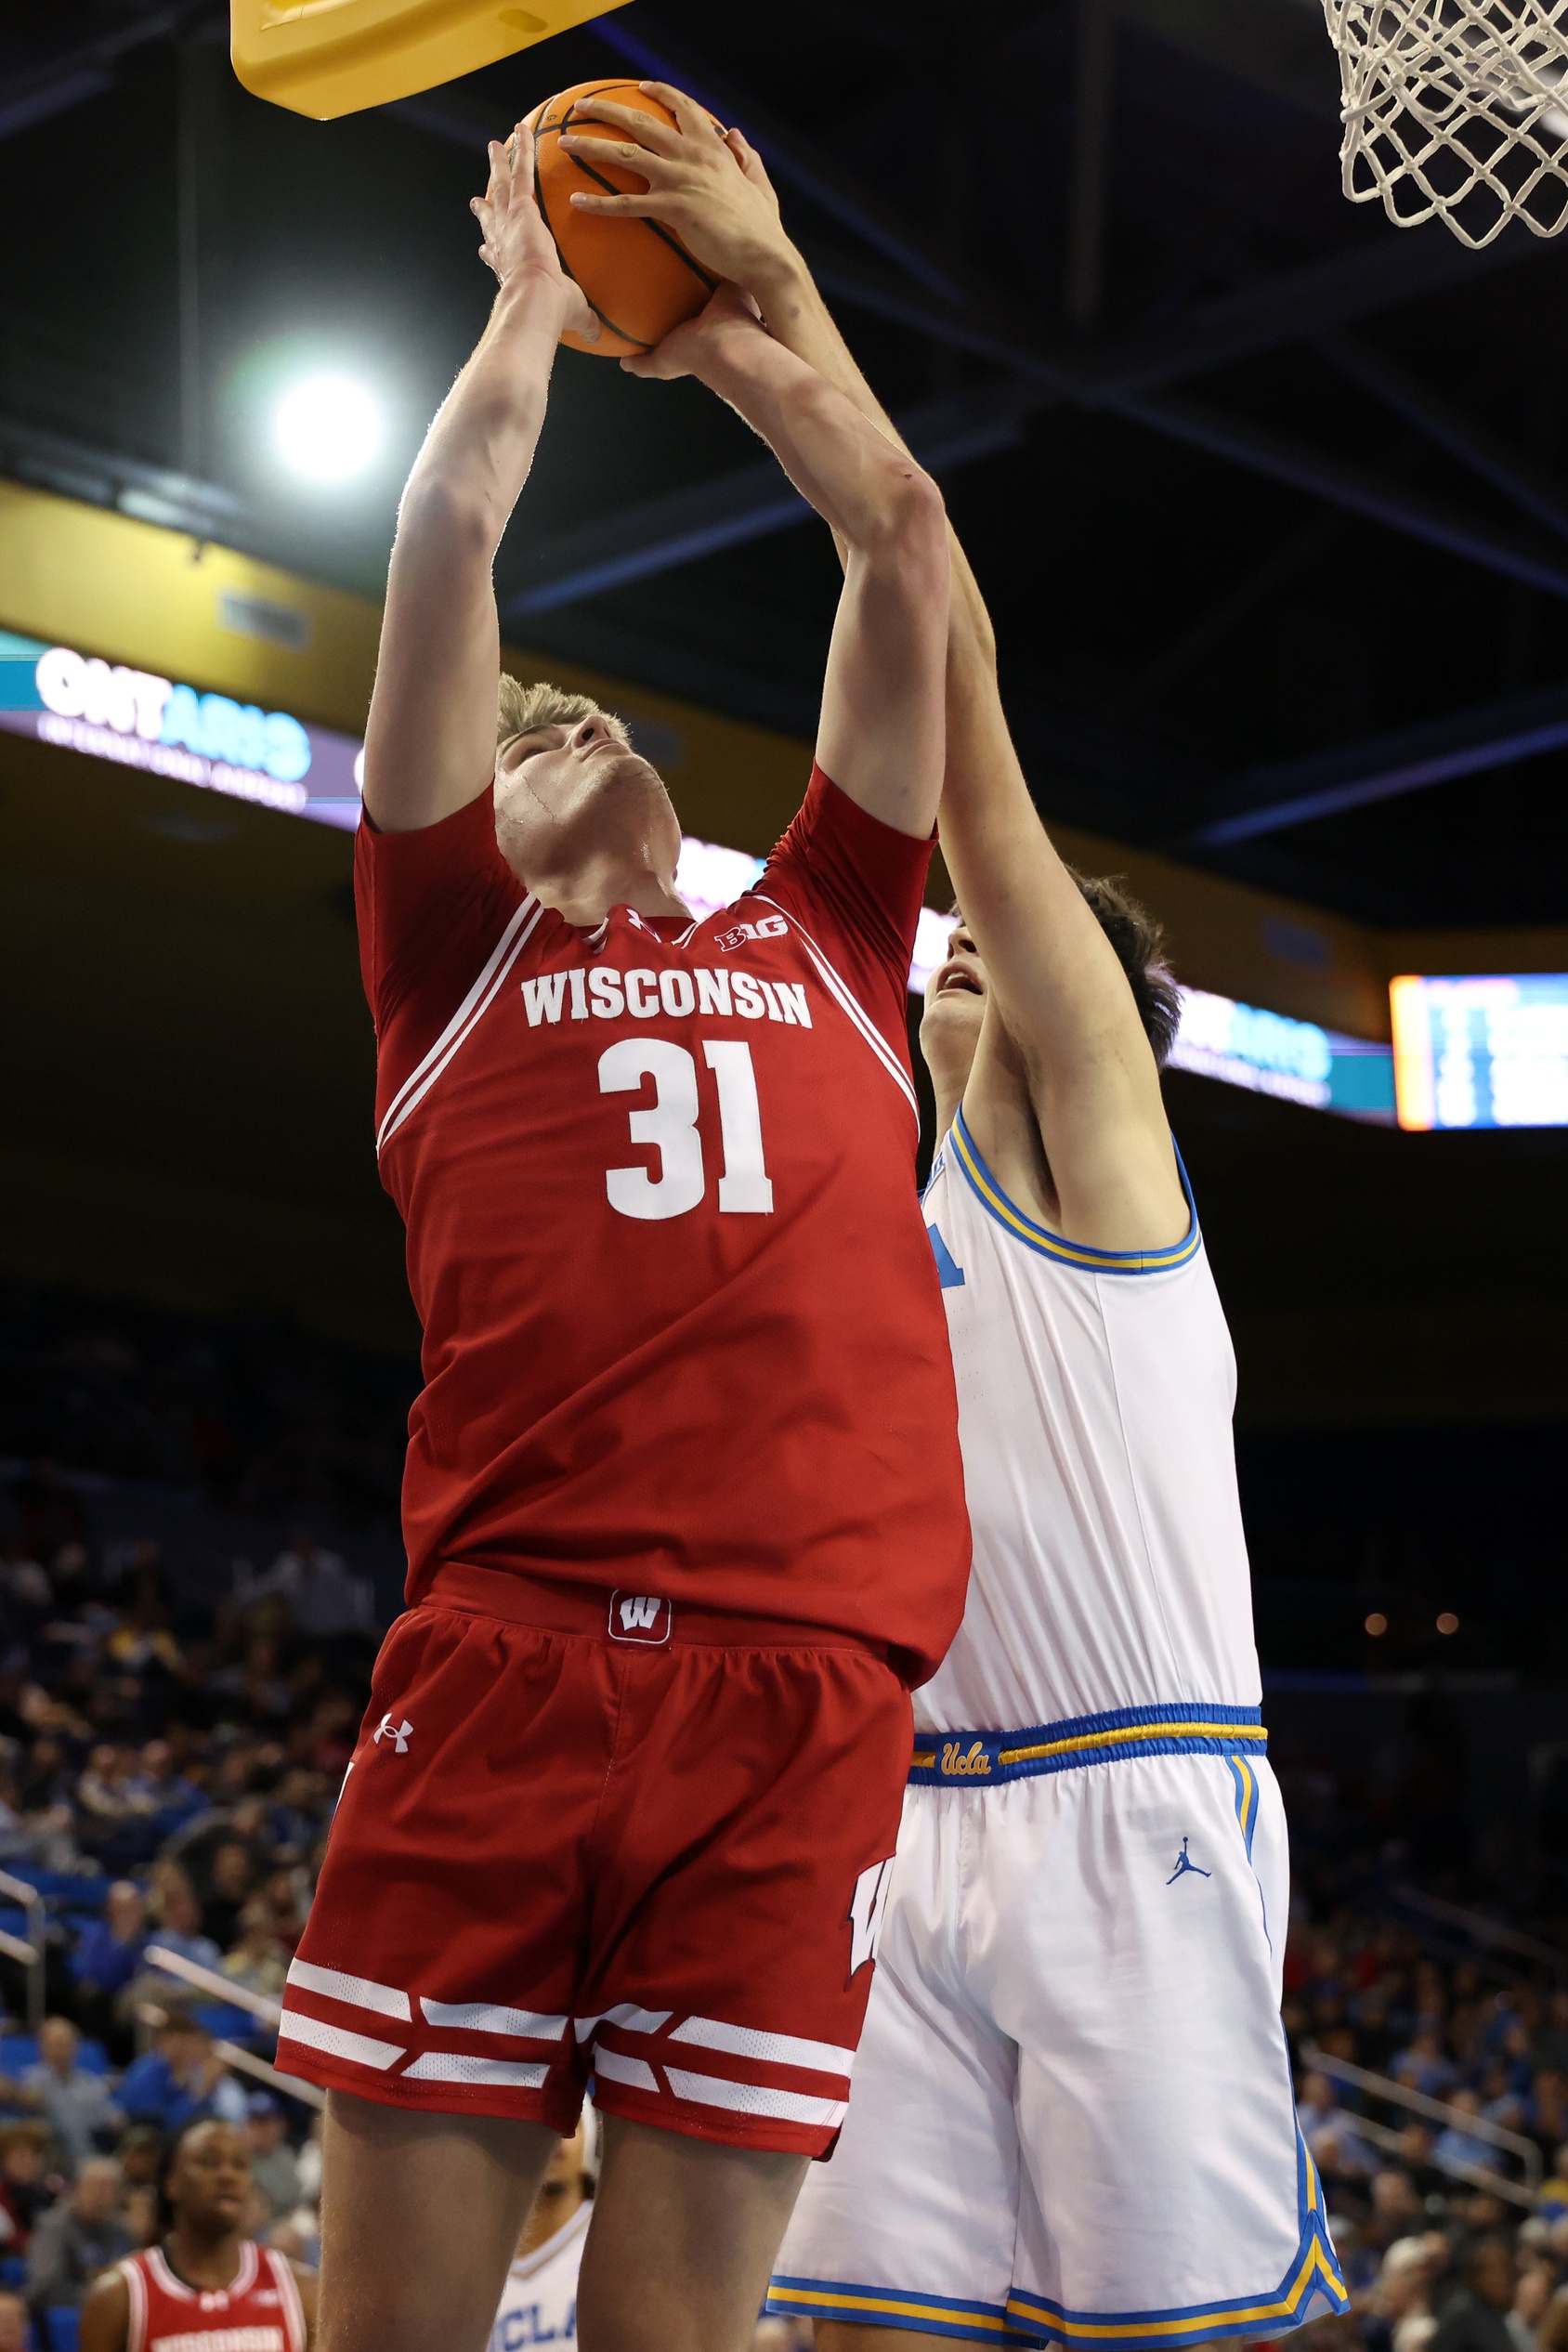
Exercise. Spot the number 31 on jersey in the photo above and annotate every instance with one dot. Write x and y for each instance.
(670, 1124)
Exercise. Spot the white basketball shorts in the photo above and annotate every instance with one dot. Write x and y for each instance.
(1071, 2118)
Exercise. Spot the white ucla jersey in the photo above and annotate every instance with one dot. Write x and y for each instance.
(1095, 1393)
(538, 2301)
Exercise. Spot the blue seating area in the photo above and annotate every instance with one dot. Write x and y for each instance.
(19, 2051)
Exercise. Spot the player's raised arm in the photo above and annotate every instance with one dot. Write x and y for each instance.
(430, 740)
(1056, 979)
(880, 737)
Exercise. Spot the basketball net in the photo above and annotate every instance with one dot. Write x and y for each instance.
(1457, 108)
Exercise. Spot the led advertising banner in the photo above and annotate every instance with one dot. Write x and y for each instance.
(137, 719)
(1489, 1050)
(1269, 1053)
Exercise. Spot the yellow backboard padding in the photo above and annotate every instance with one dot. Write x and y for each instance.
(325, 57)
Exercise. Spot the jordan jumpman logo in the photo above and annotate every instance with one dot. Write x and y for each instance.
(1183, 1863)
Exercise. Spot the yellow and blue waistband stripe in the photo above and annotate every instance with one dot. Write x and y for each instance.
(1069, 1253)
(1183, 1727)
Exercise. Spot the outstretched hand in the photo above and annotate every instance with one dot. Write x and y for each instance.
(706, 184)
(517, 243)
(697, 347)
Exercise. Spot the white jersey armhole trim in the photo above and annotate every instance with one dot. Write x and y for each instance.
(1084, 1255)
(508, 947)
(836, 989)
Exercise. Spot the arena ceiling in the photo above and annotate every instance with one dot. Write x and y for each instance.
(1266, 495)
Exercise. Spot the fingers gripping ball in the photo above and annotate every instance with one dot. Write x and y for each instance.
(636, 274)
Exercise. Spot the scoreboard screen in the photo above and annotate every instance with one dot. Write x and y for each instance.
(1487, 1050)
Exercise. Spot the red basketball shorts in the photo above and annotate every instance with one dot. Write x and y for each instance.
(651, 1862)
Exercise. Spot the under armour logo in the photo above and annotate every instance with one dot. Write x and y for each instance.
(640, 1616)
(1184, 1862)
(398, 1733)
(866, 1906)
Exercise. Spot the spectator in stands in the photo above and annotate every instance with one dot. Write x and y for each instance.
(178, 1927)
(1397, 2212)
(257, 1960)
(180, 2078)
(273, 2167)
(1530, 2300)
(324, 1601)
(115, 1807)
(107, 1956)
(74, 2102)
(24, 2191)
(1398, 2313)
(1456, 2146)
(1415, 2153)
(230, 1888)
(1325, 2127)
(80, 2237)
(1476, 2319)
(15, 2333)
(175, 1798)
(294, 1823)
(141, 2156)
(1552, 2335)
(1423, 2066)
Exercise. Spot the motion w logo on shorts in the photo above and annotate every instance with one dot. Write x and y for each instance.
(869, 1903)
(640, 1616)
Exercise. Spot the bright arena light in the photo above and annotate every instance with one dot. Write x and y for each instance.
(329, 428)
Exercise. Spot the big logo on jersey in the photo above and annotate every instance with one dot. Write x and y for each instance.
(769, 927)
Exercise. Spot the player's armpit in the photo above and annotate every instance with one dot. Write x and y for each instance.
(856, 886)
(1084, 1063)
(1106, 1178)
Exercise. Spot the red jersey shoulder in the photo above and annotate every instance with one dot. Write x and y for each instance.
(260, 2310)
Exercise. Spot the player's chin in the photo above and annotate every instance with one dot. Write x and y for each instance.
(950, 1027)
(956, 1006)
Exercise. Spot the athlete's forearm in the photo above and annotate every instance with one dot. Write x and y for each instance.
(477, 454)
(866, 488)
(798, 315)
(430, 737)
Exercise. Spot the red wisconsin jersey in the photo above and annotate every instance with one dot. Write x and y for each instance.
(261, 2312)
(683, 1328)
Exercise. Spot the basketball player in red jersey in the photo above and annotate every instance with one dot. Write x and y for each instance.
(683, 1502)
(203, 2282)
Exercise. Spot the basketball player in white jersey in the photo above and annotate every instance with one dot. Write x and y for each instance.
(1071, 2118)
(538, 2301)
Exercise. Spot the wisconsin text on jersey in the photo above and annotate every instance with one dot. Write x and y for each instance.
(600, 989)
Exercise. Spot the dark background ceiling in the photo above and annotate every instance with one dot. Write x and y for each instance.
(1263, 491)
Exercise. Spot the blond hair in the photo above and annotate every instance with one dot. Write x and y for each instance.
(522, 708)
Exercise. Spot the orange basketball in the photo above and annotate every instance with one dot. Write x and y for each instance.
(636, 273)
